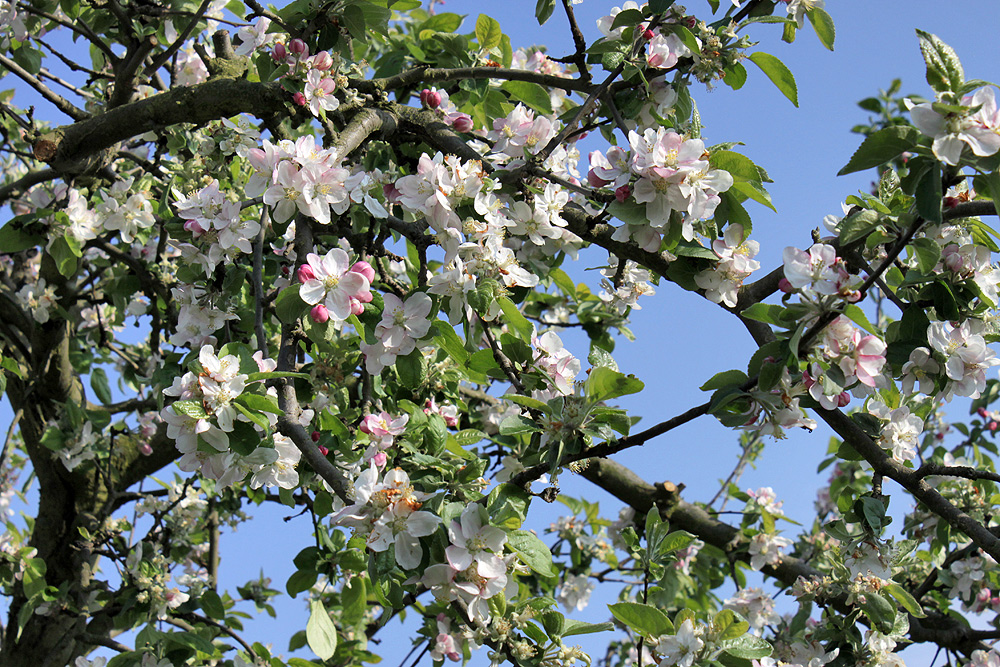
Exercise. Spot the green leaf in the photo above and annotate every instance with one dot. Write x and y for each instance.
(320, 631)
(881, 147)
(488, 32)
(543, 10)
(572, 627)
(532, 551)
(13, 237)
(99, 383)
(531, 94)
(753, 191)
(528, 402)
(191, 641)
(747, 647)
(260, 403)
(858, 317)
(928, 253)
(289, 306)
(778, 73)
(254, 416)
(515, 424)
(736, 76)
(904, 598)
(858, 225)
(822, 23)
(929, 193)
(192, 409)
(605, 383)
(64, 257)
(659, 6)
(643, 618)
(514, 319)
(768, 313)
(212, 605)
(725, 379)
(738, 165)
(508, 506)
(627, 18)
(411, 369)
(449, 341)
(880, 612)
(727, 624)
(944, 70)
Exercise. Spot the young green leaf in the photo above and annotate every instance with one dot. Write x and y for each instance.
(320, 631)
(778, 73)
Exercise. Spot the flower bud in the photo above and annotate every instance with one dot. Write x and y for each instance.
(279, 53)
(982, 413)
(299, 99)
(379, 459)
(322, 450)
(843, 399)
(356, 306)
(305, 273)
(785, 286)
(319, 314)
(193, 227)
(365, 269)
(595, 181)
(322, 61)
(145, 449)
(315, 435)
(622, 193)
(460, 122)
(992, 426)
(433, 99)
(648, 35)
(299, 48)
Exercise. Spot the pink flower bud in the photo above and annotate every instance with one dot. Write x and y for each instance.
(280, 53)
(982, 413)
(315, 435)
(322, 61)
(305, 273)
(622, 193)
(145, 449)
(648, 35)
(379, 459)
(365, 269)
(595, 180)
(299, 99)
(299, 48)
(691, 22)
(356, 306)
(193, 227)
(785, 286)
(391, 193)
(285, 271)
(322, 450)
(433, 100)
(992, 426)
(460, 122)
(843, 399)
(319, 314)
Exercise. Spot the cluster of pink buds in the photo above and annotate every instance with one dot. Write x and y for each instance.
(430, 98)
(991, 419)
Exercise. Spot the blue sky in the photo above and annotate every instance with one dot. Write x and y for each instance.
(683, 339)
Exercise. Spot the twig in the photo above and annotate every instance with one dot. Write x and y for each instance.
(59, 101)
(258, 283)
(579, 58)
(10, 437)
(505, 364)
(169, 52)
(77, 25)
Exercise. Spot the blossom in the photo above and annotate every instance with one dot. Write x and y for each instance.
(575, 591)
(681, 649)
(332, 281)
(766, 549)
(954, 131)
(476, 542)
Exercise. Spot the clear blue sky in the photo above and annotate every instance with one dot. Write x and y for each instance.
(683, 339)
